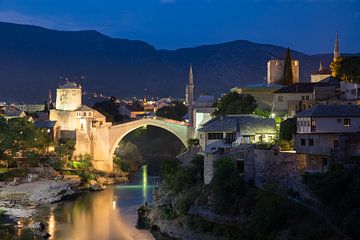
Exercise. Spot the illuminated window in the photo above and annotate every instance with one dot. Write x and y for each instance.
(347, 122)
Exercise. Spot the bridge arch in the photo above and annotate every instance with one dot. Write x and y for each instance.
(118, 132)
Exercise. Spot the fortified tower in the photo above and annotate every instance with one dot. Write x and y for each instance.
(68, 97)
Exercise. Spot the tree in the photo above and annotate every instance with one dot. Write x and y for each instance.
(21, 136)
(288, 77)
(235, 103)
(347, 68)
(227, 186)
(176, 111)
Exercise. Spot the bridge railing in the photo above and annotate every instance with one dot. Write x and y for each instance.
(155, 118)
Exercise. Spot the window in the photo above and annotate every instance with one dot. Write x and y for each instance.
(303, 142)
(311, 142)
(280, 98)
(214, 136)
(336, 144)
(230, 137)
(302, 98)
(347, 122)
(313, 125)
(84, 114)
(307, 97)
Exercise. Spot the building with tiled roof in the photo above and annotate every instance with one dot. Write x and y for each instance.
(328, 133)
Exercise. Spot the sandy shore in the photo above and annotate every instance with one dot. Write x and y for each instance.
(20, 201)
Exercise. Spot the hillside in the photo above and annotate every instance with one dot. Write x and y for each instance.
(34, 59)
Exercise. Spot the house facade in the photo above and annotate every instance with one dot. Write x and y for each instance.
(328, 133)
(225, 135)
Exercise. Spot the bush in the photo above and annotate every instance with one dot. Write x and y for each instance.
(269, 213)
(167, 213)
(83, 167)
(227, 186)
(8, 174)
(286, 145)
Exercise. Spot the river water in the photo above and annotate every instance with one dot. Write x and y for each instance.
(105, 215)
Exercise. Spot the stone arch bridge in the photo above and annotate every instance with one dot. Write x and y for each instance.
(102, 143)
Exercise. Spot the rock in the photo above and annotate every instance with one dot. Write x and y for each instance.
(39, 226)
(95, 186)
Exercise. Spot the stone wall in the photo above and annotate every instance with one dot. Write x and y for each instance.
(284, 169)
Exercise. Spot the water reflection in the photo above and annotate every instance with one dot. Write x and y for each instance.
(109, 214)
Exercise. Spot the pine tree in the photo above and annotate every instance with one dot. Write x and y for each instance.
(288, 75)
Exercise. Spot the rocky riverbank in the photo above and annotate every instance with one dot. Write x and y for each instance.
(21, 200)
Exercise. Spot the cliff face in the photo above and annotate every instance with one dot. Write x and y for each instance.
(41, 59)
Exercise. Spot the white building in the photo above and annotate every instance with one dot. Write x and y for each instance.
(328, 132)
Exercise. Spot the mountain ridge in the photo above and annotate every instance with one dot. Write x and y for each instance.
(41, 59)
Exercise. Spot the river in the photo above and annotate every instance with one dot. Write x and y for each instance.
(109, 214)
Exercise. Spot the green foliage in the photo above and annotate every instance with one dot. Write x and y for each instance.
(8, 174)
(288, 129)
(64, 150)
(83, 167)
(286, 145)
(192, 142)
(288, 77)
(339, 190)
(176, 111)
(347, 68)
(234, 103)
(154, 141)
(19, 135)
(270, 213)
(109, 109)
(167, 213)
(263, 112)
(177, 178)
(128, 158)
(227, 187)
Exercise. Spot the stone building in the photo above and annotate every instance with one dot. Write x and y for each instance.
(298, 97)
(328, 133)
(79, 122)
(224, 135)
(275, 71)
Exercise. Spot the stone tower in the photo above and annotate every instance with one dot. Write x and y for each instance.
(336, 48)
(191, 97)
(68, 97)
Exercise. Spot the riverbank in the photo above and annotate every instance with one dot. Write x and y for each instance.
(22, 199)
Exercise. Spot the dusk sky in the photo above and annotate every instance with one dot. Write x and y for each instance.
(304, 25)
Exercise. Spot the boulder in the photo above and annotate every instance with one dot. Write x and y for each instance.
(95, 186)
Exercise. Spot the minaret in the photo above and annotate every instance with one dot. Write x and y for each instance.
(191, 97)
(187, 95)
(320, 67)
(336, 49)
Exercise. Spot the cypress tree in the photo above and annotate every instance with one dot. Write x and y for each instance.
(288, 75)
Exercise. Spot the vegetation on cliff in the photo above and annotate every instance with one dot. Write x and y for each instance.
(339, 191)
(232, 208)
